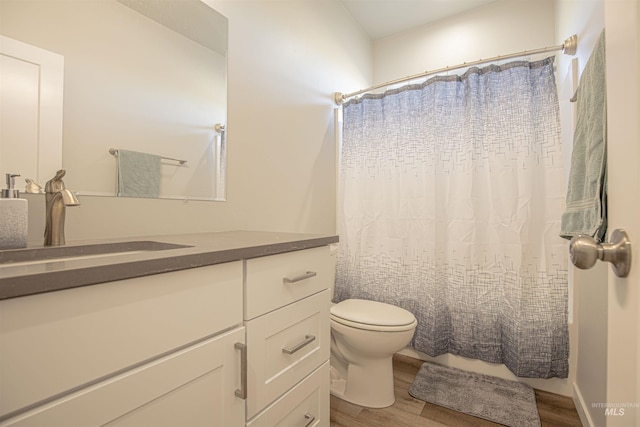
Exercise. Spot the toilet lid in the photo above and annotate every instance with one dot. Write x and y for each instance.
(372, 313)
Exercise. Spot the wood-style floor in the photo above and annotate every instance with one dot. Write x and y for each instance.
(554, 410)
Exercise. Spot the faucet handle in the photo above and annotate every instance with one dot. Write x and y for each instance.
(55, 184)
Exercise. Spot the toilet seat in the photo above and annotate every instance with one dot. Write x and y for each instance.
(372, 316)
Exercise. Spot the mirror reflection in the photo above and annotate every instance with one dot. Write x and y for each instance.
(147, 77)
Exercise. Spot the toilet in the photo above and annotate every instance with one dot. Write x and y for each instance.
(364, 336)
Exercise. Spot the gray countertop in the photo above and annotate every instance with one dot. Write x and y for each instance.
(203, 249)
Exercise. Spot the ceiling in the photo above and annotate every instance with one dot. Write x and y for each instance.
(381, 18)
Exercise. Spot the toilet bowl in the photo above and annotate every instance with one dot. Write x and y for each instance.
(364, 337)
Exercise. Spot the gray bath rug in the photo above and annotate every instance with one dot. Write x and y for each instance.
(495, 399)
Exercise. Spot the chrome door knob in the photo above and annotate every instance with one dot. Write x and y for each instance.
(585, 252)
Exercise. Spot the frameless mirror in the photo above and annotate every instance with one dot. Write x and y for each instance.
(139, 75)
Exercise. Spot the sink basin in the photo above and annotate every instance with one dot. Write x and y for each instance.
(68, 253)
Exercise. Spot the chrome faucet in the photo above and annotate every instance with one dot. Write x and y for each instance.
(57, 199)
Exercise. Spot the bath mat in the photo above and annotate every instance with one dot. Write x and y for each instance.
(495, 399)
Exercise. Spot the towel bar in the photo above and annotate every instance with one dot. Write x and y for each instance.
(114, 151)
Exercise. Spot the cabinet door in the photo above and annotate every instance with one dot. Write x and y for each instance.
(55, 342)
(191, 387)
(285, 346)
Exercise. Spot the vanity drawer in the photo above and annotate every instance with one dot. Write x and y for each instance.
(285, 346)
(274, 281)
(307, 404)
(53, 342)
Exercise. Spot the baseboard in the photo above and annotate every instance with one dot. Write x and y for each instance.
(581, 407)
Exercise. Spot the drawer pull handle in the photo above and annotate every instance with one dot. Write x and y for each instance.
(242, 392)
(307, 340)
(304, 276)
(310, 419)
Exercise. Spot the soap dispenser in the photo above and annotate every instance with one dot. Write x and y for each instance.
(13, 216)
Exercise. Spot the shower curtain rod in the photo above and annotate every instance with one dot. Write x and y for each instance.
(569, 47)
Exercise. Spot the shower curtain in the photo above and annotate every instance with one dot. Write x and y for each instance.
(451, 194)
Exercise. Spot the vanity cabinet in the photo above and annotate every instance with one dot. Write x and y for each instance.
(155, 350)
(287, 301)
(239, 343)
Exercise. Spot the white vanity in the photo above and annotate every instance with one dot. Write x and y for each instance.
(238, 337)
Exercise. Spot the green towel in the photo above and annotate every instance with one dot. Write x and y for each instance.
(138, 174)
(586, 210)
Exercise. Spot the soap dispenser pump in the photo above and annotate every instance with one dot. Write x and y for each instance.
(13, 216)
(10, 192)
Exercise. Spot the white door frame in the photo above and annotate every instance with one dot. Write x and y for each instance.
(50, 103)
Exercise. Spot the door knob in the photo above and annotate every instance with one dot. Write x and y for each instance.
(585, 252)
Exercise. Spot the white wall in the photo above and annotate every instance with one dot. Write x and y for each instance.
(505, 26)
(286, 59)
(502, 27)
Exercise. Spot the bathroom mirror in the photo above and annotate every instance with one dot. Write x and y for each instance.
(139, 75)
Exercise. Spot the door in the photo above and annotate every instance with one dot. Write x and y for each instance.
(31, 93)
(623, 119)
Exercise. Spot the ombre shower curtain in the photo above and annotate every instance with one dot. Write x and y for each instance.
(451, 197)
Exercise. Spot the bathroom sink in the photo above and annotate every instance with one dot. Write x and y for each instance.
(68, 253)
